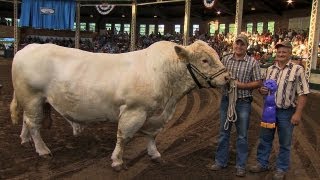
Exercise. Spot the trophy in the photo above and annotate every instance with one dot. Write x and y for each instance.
(269, 108)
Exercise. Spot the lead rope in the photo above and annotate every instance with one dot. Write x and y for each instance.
(231, 114)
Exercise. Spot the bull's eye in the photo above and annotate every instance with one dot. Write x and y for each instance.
(205, 61)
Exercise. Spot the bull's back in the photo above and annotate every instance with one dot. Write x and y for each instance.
(38, 64)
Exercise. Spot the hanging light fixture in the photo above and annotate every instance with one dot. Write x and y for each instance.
(209, 3)
(289, 1)
(104, 8)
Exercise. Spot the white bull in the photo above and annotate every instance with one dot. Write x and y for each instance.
(129, 88)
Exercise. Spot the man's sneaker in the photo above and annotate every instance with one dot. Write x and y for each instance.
(257, 168)
(241, 172)
(279, 175)
(215, 167)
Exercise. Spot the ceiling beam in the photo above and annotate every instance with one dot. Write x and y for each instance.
(160, 12)
(159, 2)
(9, 1)
(196, 14)
(271, 7)
(223, 8)
(102, 1)
(306, 1)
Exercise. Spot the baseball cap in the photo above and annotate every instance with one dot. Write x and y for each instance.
(284, 44)
(243, 38)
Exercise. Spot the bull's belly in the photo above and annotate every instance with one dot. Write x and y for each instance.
(86, 116)
(85, 110)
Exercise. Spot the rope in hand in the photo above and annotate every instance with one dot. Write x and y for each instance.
(231, 114)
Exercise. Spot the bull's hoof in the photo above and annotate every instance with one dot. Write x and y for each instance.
(117, 168)
(27, 144)
(158, 160)
(120, 167)
(47, 156)
(125, 167)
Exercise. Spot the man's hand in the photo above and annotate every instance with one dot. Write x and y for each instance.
(249, 85)
(295, 119)
(263, 90)
(240, 85)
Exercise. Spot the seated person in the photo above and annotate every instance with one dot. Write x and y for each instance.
(268, 61)
(3, 21)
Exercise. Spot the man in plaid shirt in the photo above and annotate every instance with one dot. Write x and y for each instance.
(246, 71)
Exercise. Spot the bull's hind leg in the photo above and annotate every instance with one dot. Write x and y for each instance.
(76, 128)
(47, 123)
(130, 122)
(25, 134)
(32, 117)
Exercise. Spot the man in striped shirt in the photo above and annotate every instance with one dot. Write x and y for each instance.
(290, 97)
(246, 71)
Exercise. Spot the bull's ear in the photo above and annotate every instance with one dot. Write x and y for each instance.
(182, 52)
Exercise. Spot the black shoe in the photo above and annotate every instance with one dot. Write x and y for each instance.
(241, 172)
(257, 168)
(279, 175)
(215, 167)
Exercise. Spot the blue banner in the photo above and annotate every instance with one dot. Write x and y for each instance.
(48, 14)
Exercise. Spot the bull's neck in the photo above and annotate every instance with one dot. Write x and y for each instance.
(179, 80)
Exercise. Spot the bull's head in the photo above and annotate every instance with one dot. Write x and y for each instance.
(203, 64)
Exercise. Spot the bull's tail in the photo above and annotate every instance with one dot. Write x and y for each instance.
(14, 109)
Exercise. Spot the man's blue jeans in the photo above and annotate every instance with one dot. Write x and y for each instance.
(243, 109)
(285, 130)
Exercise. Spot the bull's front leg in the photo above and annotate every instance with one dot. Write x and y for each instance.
(152, 149)
(154, 125)
(151, 129)
(131, 120)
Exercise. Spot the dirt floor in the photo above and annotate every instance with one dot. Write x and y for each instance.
(187, 144)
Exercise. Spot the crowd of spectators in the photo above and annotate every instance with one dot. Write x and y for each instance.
(85, 43)
(261, 46)
(4, 22)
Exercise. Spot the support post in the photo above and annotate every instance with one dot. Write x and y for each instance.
(313, 40)
(77, 36)
(133, 26)
(15, 26)
(238, 20)
(186, 25)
